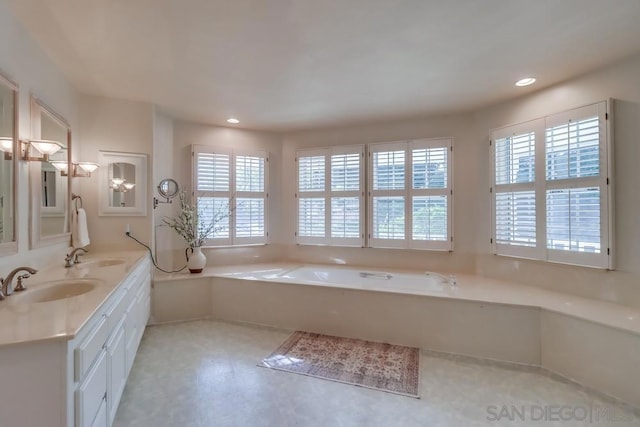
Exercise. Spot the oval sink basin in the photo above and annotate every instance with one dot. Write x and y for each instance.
(107, 262)
(53, 291)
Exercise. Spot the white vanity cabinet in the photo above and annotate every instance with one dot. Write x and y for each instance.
(78, 381)
(104, 351)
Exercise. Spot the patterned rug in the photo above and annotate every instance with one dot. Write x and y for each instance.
(386, 367)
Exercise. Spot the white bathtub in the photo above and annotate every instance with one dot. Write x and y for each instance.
(348, 277)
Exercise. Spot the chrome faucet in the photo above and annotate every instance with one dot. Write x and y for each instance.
(7, 285)
(73, 257)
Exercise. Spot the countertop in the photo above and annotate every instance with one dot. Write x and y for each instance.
(62, 319)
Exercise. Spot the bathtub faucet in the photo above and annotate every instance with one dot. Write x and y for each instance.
(451, 280)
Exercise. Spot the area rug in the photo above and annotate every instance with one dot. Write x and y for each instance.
(385, 367)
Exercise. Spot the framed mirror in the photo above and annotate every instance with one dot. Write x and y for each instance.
(123, 184)
(8, 165)
(49, 187)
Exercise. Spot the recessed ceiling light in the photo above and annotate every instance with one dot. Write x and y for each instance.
(526, 81)
(232, 120)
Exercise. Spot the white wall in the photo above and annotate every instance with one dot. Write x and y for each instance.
(186, 134)
(115, 125)
(162, 169)
(23, 62)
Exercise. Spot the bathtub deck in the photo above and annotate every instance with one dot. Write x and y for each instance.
(470, 288)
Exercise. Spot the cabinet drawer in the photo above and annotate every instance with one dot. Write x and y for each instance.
(92, 392)
(86, 352)
(117, 310)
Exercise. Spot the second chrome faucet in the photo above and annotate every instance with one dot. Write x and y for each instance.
(73, 257)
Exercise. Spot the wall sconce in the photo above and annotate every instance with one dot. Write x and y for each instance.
(84, 169)
(80, 169)
(6, 145)
(121, 185)
(45, 147)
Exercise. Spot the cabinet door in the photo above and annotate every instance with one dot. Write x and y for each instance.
(131, 333)
(101, 418)
(117, 370)
(92, 391)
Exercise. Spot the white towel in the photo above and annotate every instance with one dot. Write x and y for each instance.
(79, 230)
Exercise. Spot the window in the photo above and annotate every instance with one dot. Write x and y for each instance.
(408, 202)
(514, 187)
(330, 196)
(230, 189)
(551, 189)
(410, 194)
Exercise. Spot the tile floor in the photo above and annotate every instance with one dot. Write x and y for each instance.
(204, 373)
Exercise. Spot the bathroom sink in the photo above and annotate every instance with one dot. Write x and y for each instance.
(53, 291)
(105, 262)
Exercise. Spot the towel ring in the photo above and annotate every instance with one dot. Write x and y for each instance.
(77, 198)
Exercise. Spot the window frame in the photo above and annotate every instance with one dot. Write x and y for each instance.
(328, 194)
(232, 194)
(604, 182)
(408, 192)
(537, 127)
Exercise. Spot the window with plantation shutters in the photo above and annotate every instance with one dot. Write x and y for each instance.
(231, 192)
(552, 197)
(515, 225)
(330, 196)
(410, 194)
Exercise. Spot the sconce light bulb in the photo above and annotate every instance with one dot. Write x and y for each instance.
(117, 181)
(6, 144)
(128, 185)
(46, 147)
(88, 166)
(61, 165)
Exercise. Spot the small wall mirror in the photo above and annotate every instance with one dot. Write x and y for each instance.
(8, 146)
(168, 188)
(123, 184)
(49, 187)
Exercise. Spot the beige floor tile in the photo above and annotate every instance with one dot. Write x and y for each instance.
(204, 373)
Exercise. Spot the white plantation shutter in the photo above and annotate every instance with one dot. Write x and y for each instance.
(551, 188)
(212, 174)
(230, 189)
(430, 218)
(312, 197)
(576, 187)
(330, 195)
(514, 189)
(311, 218)
(430, 194)
(388, 219)
(410, 197)
(213, 171)
(515, 218)
(250, 198)
(347, 196)
(388, 177)
(573, 220)
(250, 213)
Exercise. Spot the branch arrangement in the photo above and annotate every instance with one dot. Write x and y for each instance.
(190, 225)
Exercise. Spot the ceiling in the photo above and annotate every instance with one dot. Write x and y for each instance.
(286, 65)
